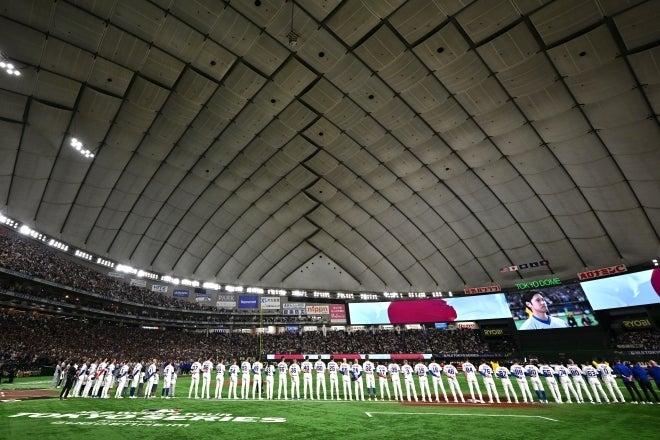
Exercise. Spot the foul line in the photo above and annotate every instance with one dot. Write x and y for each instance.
(370, 414)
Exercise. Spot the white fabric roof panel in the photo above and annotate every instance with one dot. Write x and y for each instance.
(210, 264)
(123, 48)
(10, 134)
(545, 103)
(320, 50)
(414, 132)
(416, 18)
(330, 223)
(637, 26)
(179, 39)
(361, 249)
(401, 258)
(415, 145)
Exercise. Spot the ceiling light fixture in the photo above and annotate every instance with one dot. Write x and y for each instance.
(75, 143)
(9, 68)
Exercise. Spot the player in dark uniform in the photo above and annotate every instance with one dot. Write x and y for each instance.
(71, 373)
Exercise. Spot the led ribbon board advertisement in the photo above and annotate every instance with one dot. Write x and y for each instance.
(566, 306)
(430, 310)
(633, 289)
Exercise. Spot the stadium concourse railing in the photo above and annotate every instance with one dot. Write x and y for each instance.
(196, 317)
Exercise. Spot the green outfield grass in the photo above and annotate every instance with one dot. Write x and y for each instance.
(175, 418)
(27, 383)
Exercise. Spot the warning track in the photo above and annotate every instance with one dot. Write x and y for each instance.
(13, 395)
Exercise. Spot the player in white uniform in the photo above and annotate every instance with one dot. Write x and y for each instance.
(60, 371)
(345, 370)
(395, 370)
(409, 380)
(150, 379)
(99, 378)
(257, 368)
(607, 374)
(246, 366)
(294, 372)
(219, 378)
(153, 383)
(122, 378)
(207, 370)
(503, 374)
(578, 380)
(435, 370)
(452, 380)
(82, 377)
(518, 371)
(91, 376)
(195, 369)
(370, 380)
(565, 380)
(534, 374)
(135, 381)
(381, 372)
(108, 379)
(357, 371)
(489, 382)
(594, 383)
(333, 371)
(233, 370)
(168, 372)
(549, 373)
(307, 367)
(282, 372)
(473, 384)
(319, 367)
(269, 371)
(422, 376)
(173, 383)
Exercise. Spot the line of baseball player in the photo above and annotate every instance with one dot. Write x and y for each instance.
(363, 376)
(96, 378)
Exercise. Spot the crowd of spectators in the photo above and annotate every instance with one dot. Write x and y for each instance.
(21, 255)
(43, 263)
(35, 292)
(33, 339)
(648, 340)
(377, 341)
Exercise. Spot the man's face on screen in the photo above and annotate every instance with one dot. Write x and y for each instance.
(538, 305)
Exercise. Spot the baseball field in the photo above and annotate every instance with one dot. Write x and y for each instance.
(29, 410)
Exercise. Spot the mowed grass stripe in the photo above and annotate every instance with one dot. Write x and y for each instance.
(371, 414)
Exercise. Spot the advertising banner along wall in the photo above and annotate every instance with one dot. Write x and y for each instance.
(180, 293)
(319, 309)
(337, 313)
(270, 303)
(248, 302)
(226, 301)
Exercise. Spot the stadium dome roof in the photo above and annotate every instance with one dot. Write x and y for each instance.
(383, 145)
